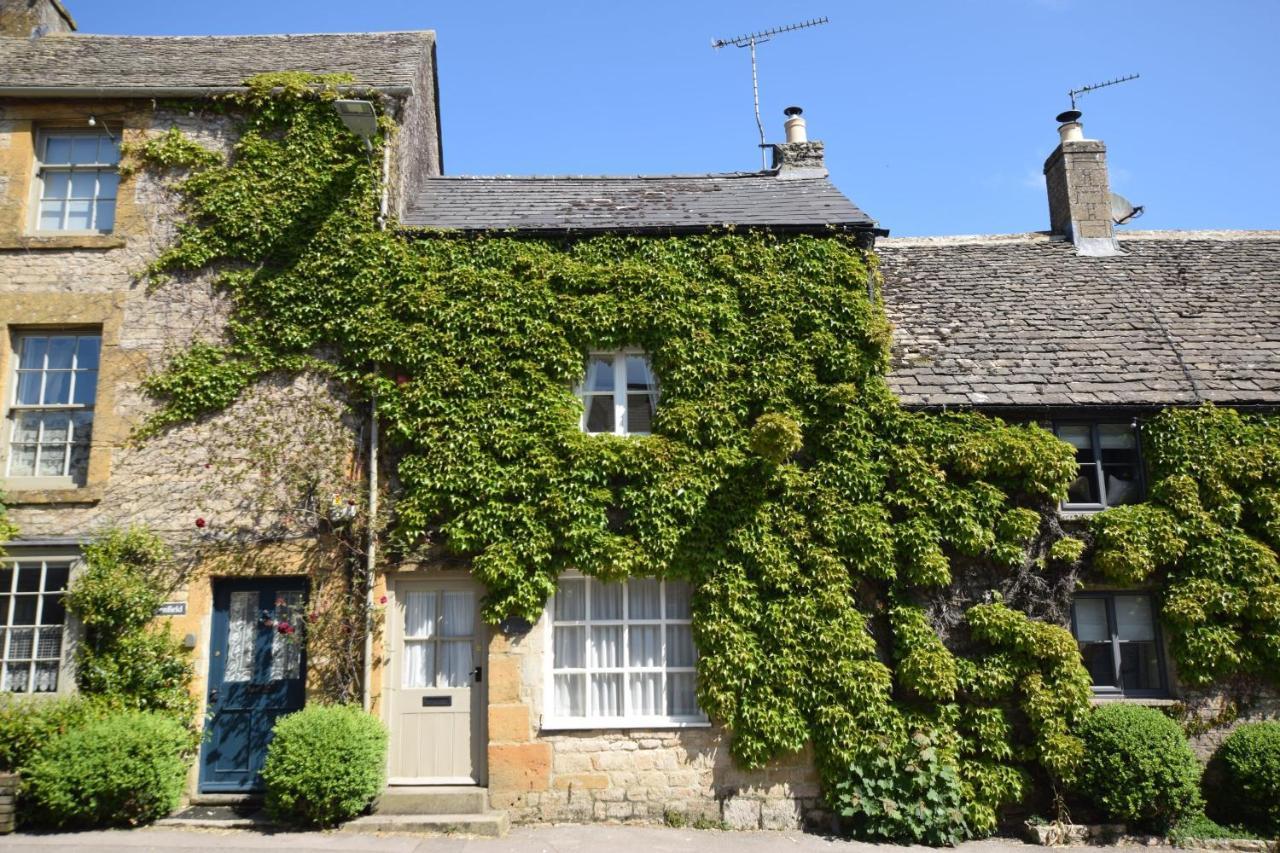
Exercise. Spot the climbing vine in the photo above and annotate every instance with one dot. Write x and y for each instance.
(1209, 534)
(847, 556)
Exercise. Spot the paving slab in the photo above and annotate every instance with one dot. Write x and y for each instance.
(590, 838)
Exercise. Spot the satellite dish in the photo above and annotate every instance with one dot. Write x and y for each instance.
(1122, 211)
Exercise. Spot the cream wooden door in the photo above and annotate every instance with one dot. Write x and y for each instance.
(437, 704)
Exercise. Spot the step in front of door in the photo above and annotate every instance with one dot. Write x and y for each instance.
(488, 825)
(433, 800)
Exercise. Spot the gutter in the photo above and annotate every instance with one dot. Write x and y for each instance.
(398, 91)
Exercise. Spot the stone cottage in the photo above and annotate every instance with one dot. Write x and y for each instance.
(1082, 328)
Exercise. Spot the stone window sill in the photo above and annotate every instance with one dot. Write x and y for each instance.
(29, 497)
(572, 725)
(1148, 701)
(64, 242)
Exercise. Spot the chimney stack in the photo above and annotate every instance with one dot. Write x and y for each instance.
(34, 18)
(798, 157)
(1075, 176)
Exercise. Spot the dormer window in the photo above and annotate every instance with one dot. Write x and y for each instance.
(78, 176)
(619, 394)
(1109, 471)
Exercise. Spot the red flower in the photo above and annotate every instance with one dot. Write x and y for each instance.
(200, 522)
(279, 602)
(401, 379)
(382, 600)
(284, 628)
(313, 616)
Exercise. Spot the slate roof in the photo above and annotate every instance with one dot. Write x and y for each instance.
(1021, 320)
(171, 62)
(643, 203)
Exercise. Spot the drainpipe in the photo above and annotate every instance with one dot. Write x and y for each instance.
(371, 550)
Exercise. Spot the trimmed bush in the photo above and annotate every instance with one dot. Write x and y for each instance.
(121, 770)
(325, 764)
(1138, 767)
(27, 725)
(1249, 790)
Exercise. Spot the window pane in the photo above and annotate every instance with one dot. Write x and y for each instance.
(639, 377)
(569, 647)
(87, 350)
(682, 700)
(55, 578)
(26, 428)
(86, 387)
(54, 612)
(28, 388)
(645, 694)
(57, 387)
(55, 185)
(28, 577)
(107, 183)
(46, 677)
(679, 645)
(1099, 662)
(49, 644)
(286, 649)
(1139, 666)
(62, 349)
(606, 647)
(677, 600)
(599, 413)
(57, 428)
(1084, 489)
(419, 613)
(606, 600)
(50, 216)
(570, 698)
(22, 461)
(57, 149)
(84, 185)
(105, 216)
(599, 373)
(639, 413)
(606, 695)
(570, 600)
(84, 149)
(82, 441)
(1122, 484)
(79, 215)
(455, 664)
(1091, 620)
(53, 460)
(1081, 438)
(644, 645)
(1116, 437)
(645, 598)
(33, 350)
(242, 632)
(108, 150)
(459, 614)
(1134, 620)
(22, 643)
(419, 664)
(15, 677)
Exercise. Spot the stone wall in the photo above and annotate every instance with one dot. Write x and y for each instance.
(641, 775)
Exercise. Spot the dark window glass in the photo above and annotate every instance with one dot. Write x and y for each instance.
(1118, 642)
(600, 413)
(1108, 470)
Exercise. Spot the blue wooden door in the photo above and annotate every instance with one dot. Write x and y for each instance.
(257, 673)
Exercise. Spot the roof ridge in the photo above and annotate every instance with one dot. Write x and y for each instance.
(82, 36)
(669, 177)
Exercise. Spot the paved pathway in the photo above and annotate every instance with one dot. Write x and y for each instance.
(542, 839)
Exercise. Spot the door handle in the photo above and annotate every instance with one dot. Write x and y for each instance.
(478, 674)
(213, 696)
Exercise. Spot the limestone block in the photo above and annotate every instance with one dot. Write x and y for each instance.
(590, 781)
(519, 767)
(740, 813)
(571, 762)
(509, 723)
(613, 761)
(780, 814)
(504, 678)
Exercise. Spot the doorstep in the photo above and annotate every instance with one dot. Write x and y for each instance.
(487, 825)
(243, 815)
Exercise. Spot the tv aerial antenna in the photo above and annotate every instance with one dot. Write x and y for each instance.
(1093, 87)
(750, 40)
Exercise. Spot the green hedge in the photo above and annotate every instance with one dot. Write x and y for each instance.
(1138, 767)
(27, 725)
(1248, 791)
(325, 764)
(121, 770)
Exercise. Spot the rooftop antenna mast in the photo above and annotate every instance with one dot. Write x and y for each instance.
(1092, 87)
(750, 40)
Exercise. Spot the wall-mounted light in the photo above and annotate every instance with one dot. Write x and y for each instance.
(360, 118)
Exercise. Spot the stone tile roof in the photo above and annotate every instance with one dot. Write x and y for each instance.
(98, 61)
(1021, 320)
(643, 203)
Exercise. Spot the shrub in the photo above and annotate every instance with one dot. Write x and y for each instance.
(325, 764)
(913, 794)
(124, 769)
(27, 725)
(1249, 790)
(1138, 766)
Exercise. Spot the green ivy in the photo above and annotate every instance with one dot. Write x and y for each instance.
(1209, 536)
(814, 517)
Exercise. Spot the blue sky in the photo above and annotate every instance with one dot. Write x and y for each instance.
(937, 114)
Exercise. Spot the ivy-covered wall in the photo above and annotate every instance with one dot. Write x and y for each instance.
(868, 581)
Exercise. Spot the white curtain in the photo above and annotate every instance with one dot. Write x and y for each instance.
(644, 598)
(569, 698)
(455, 663)
(606, 600)
(679, 645)
(606, 647)
(677, 600)
(457, 619)
(286, 651)
(46, 676)
(645, 690)
(419, 669)
(458, 614)
(419, 664)
(242, 630)
(570, 600)
(606, 695)
(682, 701)
(644, 645)
(570, 647)
(420, 614)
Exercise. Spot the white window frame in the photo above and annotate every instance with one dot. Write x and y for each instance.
(70, 628)
(98, 168)
(550, 721)
(14, 409)
(619, 389)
